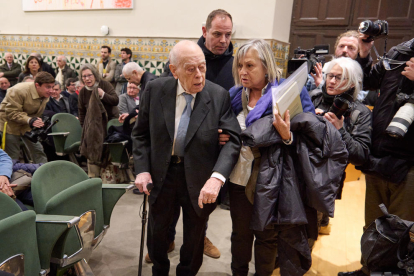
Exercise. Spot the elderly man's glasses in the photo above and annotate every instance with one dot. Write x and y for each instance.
(87, 76)
(337, 77)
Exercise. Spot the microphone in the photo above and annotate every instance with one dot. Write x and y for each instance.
(150, 186)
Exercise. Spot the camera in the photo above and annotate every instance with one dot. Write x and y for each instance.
(342, 103)
(374, 30)
(311, 56)
(40, 134)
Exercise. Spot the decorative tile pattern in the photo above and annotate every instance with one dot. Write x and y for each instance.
(150, 53)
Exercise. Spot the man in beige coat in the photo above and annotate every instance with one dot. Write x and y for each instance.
(106, 66)
(21, 109)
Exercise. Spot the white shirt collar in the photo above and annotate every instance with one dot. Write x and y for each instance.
(180, 90)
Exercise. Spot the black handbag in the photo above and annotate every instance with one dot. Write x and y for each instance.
(384, 241)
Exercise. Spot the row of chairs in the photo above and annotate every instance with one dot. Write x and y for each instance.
(70, 218)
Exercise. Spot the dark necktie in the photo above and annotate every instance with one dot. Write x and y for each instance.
(182, 126)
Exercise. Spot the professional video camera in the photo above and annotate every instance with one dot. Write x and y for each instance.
(40, 134)
(374, 30)
(311, 56)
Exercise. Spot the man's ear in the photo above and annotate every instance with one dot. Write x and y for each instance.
(204, 31)
(37, 85)
(173, 69)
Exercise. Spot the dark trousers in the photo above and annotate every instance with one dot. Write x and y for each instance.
(265, 245)
(174, 193)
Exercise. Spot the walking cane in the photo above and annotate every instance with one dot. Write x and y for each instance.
(144, 222)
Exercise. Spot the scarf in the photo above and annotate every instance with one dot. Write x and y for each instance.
(262, 108)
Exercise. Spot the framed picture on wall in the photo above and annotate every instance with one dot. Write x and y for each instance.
(61, 5)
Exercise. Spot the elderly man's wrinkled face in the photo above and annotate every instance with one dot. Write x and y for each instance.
(134, 77)
(191, 71)
(56, 92)
(218, 37)
(88, 78)
(347, 47)
(4, 84)
(132, 90)
(61, 62)
(9, 58)
(104, 53)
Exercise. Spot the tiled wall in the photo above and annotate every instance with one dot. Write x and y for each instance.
(150, 53)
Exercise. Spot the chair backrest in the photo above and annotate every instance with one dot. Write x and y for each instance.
(113, 122)
(52, 178)
(68, 123)
(18, 235)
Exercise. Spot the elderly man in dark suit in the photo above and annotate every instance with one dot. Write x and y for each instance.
(176, 148)
(10, 69)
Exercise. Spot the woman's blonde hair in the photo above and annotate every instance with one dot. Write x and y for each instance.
(266, 56)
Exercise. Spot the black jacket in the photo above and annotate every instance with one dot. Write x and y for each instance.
(219, 68)
(146, 77)
(377, 77)
(47, 68)
(2, 94)
(11, 73)
(53, 106)
(356, 132)
(73, 104)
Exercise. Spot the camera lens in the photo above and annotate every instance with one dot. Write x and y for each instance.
(363, 27)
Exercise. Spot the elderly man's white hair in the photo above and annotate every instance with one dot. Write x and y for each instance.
(8, 53)
(175, 56)
(129, 67)
(63, 59)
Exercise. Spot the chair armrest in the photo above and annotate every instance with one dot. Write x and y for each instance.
(117, 143)
(111, 193)
(51, 235)
(59, 139)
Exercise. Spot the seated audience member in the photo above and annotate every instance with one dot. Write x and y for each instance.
(32, 67)
(95, 97)
(73, 99)
(128, 102)
(106, 66)
(4, 85)
(121, 82)
(70, 87)
(344, 76)
(28, 79)
(255, 73)
(10, 69)
(44, 65)
(57, 102)
(21, 109)
(135, 74)
(63, 71)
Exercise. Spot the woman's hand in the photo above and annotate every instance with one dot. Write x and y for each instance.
(331, 117)
(318, 76)
(318, 111)
(282, 126)
(101, 92)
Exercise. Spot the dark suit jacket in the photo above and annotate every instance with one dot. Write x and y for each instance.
(11, 74)
(153, 137)
(73, 104)
(146, 77)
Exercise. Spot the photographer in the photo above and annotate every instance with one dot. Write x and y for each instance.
(21, 109)
(389, 171)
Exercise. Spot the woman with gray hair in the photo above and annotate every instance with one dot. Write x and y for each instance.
(344, 78)
(97, 105)
(255, 73)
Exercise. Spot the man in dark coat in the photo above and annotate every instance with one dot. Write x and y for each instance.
(10, 69)
(134, 73)
(176, 149)
(4, 85)
(63, 71)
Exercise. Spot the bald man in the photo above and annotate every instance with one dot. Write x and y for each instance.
(176, 149)
(134, 73)
(10, 69)
(63, 72)
(4, 85)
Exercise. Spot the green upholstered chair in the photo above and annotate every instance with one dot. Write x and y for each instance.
(63, 188)
(27, 240)
(66, 135)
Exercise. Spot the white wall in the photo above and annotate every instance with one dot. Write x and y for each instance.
(152, 18)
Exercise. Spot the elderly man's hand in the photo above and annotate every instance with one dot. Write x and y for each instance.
(364, 47)
(282, 126)
(210, 191)
(223, 138)
(122, 117)
(5, 186)
(142, 181)
(409, 69)
(331, 117)
(318, 76)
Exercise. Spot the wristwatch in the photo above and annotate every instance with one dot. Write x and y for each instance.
(289, 142)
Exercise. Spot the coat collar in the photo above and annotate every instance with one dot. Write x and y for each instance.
(33, 91)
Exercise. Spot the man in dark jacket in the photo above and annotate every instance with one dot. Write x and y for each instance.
(63, 72)
(134, 73)
(57, 102)
(389, 171)
(10, 70)
(4, 85)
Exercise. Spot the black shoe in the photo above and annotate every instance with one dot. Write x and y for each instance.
(353, 273)
(136, 191)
